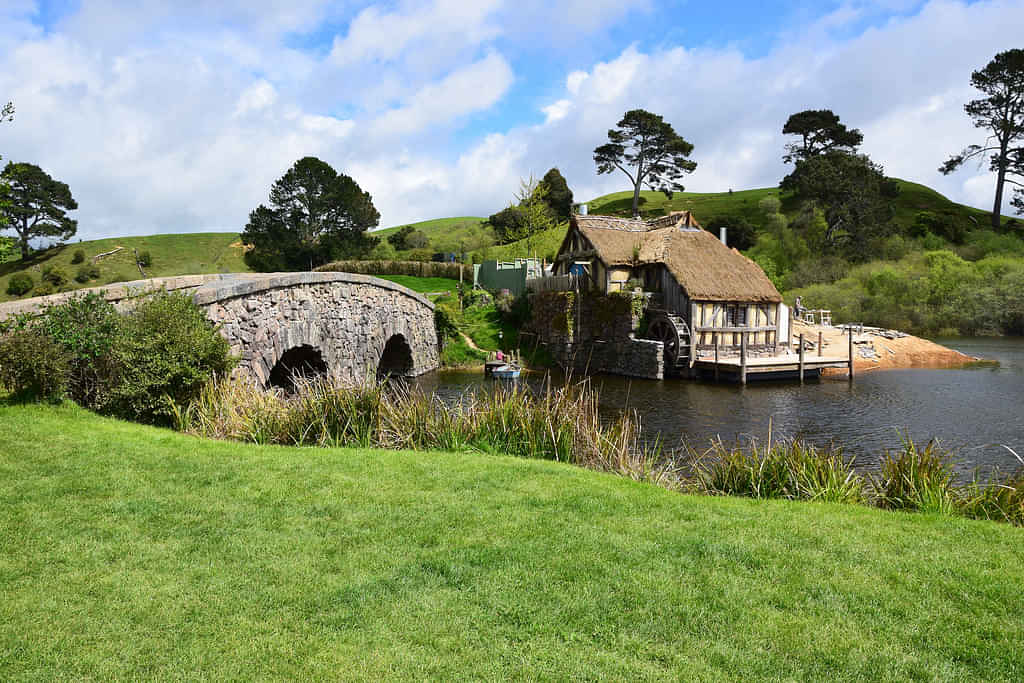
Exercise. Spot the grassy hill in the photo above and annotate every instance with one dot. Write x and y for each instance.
(438, 227)
(707, 206)
(184, 254)
(173, 557)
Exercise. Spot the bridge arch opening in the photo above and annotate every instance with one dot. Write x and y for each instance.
(396, 360)
(299, 363)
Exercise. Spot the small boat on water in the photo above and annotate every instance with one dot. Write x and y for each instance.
(502, 366)
(506, 371)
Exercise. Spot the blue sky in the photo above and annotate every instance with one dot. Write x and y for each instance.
(177, 116)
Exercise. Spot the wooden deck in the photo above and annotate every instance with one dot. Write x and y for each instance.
(785, 366)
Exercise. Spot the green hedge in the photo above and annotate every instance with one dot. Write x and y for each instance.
(414, 268)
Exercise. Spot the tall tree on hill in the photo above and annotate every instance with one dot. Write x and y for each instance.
(820, 131)
(316, 214)
(35, 205)
(1001, 113)
(559, 196)
(853, 193)
(647, 149)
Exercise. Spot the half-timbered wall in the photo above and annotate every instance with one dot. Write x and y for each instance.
(722, 314)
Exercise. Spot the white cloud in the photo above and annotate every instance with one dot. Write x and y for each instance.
(472, 88)
(557, 110)
(256, 97)
(168, 120)
(385, 36)
(574, 80)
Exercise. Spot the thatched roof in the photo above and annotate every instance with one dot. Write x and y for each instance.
(704, 267)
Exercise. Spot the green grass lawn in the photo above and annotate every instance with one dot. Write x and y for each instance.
(424, 284)
(212, 252)
(130, 552)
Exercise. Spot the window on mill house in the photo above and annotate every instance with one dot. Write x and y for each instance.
(736, 315)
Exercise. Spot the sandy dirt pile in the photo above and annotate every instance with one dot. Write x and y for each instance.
(874, 350)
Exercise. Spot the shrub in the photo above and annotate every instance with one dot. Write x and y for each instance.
(165, 352)
(55, 276)
(425, 268)
(20, 283)
(32, 365)
(444, 323)
(78, 257)
(44, 289)
(145, 259)
(86, 328)
(421, 255)
(87, 272)
(825, 269)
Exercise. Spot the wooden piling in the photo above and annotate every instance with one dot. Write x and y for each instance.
(801, 358)
(819, 344)
(716, 358)
(743, 358)
(851, 354)
(778, 314)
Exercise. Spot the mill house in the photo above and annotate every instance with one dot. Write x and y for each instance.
(714, 309)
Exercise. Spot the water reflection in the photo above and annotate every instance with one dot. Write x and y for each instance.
(970, 410)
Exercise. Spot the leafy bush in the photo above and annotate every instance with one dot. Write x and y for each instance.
(78, 257)
(444, 323)
(20, 283)
(145, 259)
(55, 276)
(166, 351)
(421, 255)
(44, 289)
(86, 328)
(811, 271)
(87, 272)
(944, 224)
(510, 224)
(32, 365)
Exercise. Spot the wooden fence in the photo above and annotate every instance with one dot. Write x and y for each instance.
(558, 283)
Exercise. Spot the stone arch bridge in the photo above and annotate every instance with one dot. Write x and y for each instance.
(345, 325)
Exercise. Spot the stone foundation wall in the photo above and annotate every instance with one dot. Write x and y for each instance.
(590, 332)
(630, 357)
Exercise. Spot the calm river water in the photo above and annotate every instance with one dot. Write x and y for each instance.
(971, 411)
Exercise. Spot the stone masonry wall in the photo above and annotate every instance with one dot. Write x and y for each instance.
(348, 318)
(591, 332)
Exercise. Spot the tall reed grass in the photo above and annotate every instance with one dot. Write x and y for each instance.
(558, 424)
(791, 469)
(564, 424)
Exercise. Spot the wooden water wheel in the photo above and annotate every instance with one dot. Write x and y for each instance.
(674, 333)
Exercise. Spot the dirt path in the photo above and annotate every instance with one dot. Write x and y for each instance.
(469, 342)
(873, 352)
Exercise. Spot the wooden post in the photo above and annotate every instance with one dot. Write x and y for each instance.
(743, 358)
(819, 344)
(778, 319)
(801, 358)
(716, 357)
(693, 335)
(851, 353)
